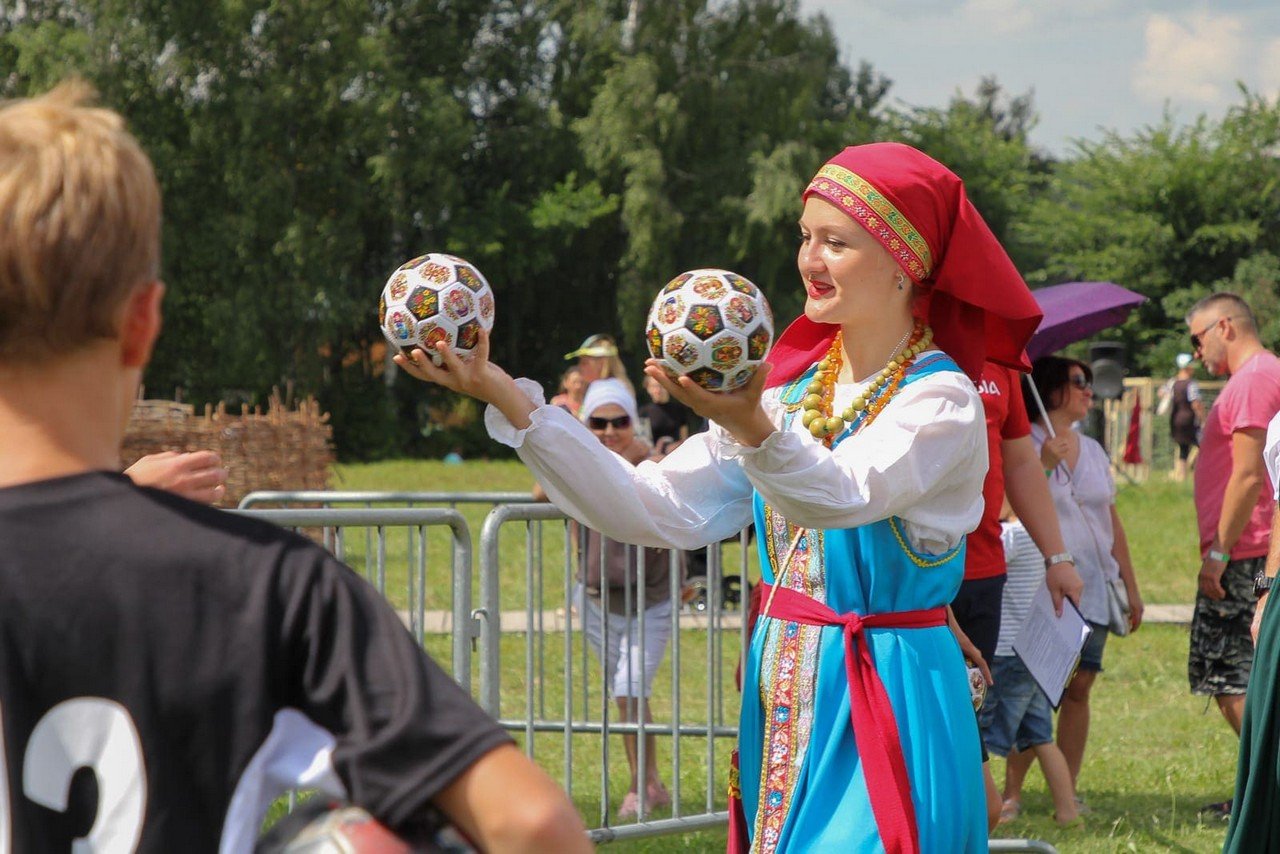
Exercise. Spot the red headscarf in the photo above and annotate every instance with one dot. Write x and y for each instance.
(974, 298)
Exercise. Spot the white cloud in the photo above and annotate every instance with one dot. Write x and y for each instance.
(999, 17)
(1269, 68)
(1195, 58)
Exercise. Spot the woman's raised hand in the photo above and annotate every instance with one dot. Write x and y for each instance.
(738, 411)
(475, 376)
(1054, 451)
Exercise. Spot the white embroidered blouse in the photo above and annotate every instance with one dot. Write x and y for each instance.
(923, 460)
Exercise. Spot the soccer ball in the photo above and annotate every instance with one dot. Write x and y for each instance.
(432, 298)
(320, 827)
(712, 326)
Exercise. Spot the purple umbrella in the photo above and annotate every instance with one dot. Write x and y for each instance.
(1072, 312)
(1076, 310)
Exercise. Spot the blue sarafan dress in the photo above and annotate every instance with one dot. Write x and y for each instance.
(802, 778)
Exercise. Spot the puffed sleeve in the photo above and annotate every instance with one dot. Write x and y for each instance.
(923, 459)
(693, 496)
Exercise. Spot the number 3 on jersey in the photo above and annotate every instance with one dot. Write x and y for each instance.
(87, 732)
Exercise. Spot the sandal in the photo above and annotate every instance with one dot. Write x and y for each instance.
(1010, 810)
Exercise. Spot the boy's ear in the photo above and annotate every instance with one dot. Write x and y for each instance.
(140, 324)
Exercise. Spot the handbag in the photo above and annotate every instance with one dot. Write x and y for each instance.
(1118, 608)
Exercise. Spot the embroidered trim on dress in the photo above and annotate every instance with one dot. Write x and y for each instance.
(873, 210)
(917, 558)
(789, 664)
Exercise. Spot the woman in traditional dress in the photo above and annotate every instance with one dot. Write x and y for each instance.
(862, 463)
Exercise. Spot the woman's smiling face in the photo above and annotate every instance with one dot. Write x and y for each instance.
(847, 274)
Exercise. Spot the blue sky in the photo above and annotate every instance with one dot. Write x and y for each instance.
(1093, 64)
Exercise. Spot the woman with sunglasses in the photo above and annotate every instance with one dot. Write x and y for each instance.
(609, 580)
(860, 455)
(1084, 496)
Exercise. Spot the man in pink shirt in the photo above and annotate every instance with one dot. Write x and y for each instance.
(1233, 501)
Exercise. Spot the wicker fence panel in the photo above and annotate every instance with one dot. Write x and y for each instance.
(282, 448)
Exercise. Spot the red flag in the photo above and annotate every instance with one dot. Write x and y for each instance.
(1133, 443)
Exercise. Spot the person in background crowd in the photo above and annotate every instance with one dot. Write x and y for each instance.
(609, 580)
(598, 359)
(168, 670)
(668, 418)
(1180, 400)
(1233, 502)
(1084, 497)
(861, 456)
(1014, 472)
(1017, 715)
(573, 385)
(1256, 808)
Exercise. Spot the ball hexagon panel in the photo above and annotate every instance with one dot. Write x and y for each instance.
(703, 320)
(681, 348)
(668, 313)
(653, 337)
(726, 351)
(708, 378)
(758, 343)
(676, 283)
(423, 303)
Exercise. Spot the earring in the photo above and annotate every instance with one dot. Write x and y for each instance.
(901, 279)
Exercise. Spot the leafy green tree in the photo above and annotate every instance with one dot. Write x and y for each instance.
(1169, 212)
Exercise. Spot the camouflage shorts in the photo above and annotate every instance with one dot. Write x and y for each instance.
(1221, 645)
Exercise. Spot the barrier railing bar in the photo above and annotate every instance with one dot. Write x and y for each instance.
(324, 496)
(659, 826)
(567, 729)
(491, 595)
(336, 519)
(673, 570)
(615, 728)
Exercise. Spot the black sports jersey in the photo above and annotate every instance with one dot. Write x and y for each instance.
(168, 669)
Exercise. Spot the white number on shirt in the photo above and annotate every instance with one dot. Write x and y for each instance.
(87, 732)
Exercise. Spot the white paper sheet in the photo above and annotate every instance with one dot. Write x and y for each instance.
(1050, 645)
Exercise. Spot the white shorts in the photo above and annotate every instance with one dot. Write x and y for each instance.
(628, 669)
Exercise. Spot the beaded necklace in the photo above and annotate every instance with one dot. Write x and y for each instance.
(871, 400)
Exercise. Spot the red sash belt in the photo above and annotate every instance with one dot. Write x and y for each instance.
(874, 729)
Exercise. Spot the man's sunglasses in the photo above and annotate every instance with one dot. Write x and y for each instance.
(622, 422)
(1195, 338)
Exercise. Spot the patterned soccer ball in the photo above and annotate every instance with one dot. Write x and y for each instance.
(432, 298)
(711, 325)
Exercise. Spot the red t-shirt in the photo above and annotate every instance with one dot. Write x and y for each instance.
(1001, 392)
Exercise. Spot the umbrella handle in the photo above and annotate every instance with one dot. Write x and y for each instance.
(1040, 405)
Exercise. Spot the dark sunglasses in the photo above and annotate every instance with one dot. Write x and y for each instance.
(1080, 381)
(622, 422)
(1195, 338)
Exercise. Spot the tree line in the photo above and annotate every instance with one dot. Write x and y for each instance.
(580, 154)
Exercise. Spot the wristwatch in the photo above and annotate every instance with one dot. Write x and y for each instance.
(1262, 583)
(1060, 557)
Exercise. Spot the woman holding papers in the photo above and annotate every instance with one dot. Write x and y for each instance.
(861, 457)
(1084, 496)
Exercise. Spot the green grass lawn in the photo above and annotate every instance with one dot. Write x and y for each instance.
(1156, 753)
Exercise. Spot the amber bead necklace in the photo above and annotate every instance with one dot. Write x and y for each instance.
(871, 400)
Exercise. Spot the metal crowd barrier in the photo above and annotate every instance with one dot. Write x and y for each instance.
(556, 656)
(372, 561)
(584, 718)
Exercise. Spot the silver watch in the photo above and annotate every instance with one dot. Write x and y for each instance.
(1060, 557)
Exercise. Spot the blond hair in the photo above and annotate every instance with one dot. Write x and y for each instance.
(79, 221)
